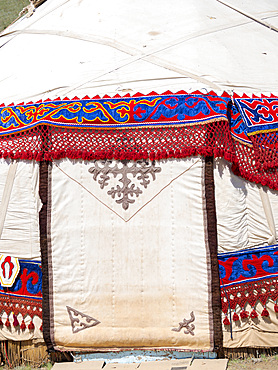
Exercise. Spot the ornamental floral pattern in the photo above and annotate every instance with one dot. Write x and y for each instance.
(132, 176)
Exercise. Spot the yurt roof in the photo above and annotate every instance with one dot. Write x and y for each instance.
(73, 48)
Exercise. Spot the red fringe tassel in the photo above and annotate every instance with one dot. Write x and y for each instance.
(244, 314)
(253, 314)
(15, 323)
(23, 325)
(265, 313)
(235, 317)
(31, 326)
(226, 321)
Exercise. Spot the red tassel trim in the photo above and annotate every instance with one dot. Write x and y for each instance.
(265, 313)
(1, 322)
(41, 329)
(235, 317)
(226, 321)
(276, 308)
(253, 314)
(31, 326)
(7, 323)
(15, 323)
(23, 325)
(244, 314)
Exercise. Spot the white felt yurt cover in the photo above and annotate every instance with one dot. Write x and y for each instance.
(77, 48)
(137, 274)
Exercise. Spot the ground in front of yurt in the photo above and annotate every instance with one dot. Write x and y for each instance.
(260, 363)
(45, 367)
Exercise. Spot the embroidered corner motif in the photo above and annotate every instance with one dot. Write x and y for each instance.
(80, 321)
(9, 269)
(187, 325)
(258, 114)
(143, 171)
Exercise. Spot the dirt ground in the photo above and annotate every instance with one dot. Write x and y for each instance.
(261, 363)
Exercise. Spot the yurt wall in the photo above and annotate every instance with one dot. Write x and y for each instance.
(138, 145)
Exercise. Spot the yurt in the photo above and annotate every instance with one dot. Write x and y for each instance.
(138, 187)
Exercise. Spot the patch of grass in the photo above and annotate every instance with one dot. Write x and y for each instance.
(47, 366)
(9, 10)
(264, 357)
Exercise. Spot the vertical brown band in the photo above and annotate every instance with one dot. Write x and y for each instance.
(212, 243)
(43, 220)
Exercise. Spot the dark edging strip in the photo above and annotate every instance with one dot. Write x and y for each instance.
(212, 244)
(43, 192)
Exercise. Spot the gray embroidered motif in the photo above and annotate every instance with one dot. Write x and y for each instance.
(80, 321)
(141, 170)
(186, 324)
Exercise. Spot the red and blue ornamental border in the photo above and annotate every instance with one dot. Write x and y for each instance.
(248, 277)
(24, 297)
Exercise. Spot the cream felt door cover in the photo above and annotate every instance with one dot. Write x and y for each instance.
(133, 275)
(20, 234)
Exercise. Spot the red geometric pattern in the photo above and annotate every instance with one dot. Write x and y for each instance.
(157, 129)
(21, 305)
(49, 143)
(250, 292)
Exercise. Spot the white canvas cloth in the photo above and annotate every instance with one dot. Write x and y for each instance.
(247, 216)
(118, 47)
(244, 216)
(20, 235)
(16, 334)
(138, 272)
(258, 332)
